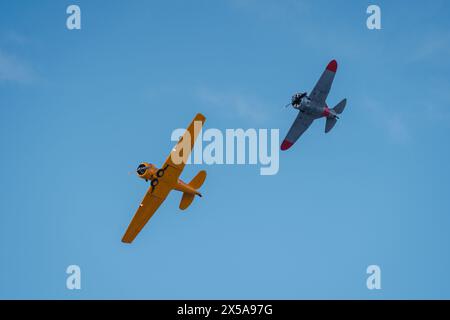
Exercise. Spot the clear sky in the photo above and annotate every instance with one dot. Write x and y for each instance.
(80, 109)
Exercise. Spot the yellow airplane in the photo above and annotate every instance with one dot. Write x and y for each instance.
(166, 179)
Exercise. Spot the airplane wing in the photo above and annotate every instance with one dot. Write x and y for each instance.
(166, 179)
(146, 209)
(300, 125)
(180, 153)
(320, 92)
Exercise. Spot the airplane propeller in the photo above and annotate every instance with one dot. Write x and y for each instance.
(135, 170)
(143, 168)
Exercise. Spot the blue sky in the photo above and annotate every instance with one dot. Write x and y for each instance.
(80, 109)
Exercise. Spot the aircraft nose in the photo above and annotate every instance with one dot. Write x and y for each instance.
(141, 169)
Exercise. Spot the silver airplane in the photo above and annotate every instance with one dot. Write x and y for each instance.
(313, 107)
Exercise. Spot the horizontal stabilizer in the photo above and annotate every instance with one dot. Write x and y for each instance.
(340, 106)
(186, 200)
(195, 183)
(198, 180)
(330, 124)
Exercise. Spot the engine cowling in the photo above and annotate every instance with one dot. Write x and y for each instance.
(146, 171)
(297, 98)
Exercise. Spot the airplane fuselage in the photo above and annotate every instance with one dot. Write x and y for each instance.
(185, 188)
(149, 171)
(313, 109)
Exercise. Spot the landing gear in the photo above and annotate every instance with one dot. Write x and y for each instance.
(160, 172)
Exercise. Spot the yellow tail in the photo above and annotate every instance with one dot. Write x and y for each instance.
(195, 183)
(198, 180)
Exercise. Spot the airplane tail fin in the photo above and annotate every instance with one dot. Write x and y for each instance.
(331, 121)
(195, 183)
(339, 108)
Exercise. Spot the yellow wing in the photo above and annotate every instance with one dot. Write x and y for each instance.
(167, 177)
(147, 208)
(179, 155)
